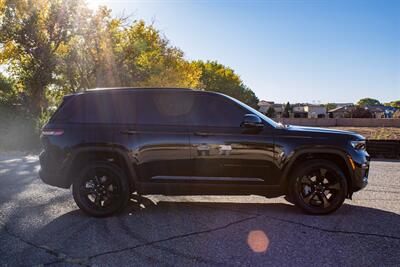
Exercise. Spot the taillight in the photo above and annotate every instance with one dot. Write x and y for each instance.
(52, 132)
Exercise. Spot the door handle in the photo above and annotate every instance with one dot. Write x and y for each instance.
(203, 134)
(128, 132)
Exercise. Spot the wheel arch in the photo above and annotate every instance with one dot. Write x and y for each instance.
(117, 156)
(338, 157)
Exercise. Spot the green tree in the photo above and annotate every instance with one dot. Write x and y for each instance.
(395, 104)
(287, 110)
(330, 106)
(368, 101)
(112, 53)
(358, 112)
(8, 96)
(219, 78)
(270, 112)
(33, 34)
(55, 47)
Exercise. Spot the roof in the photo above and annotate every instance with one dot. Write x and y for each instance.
(142, 89)
(336, 109)
(113, 89)
(265, 102)
(372, 108)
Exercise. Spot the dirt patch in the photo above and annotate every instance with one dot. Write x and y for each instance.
(378, 133)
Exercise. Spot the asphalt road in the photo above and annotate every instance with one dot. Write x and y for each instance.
(41, 225)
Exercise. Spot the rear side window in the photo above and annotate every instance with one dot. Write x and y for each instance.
(100, 108)
(124, 107)
(169, 108)
(91, 108)
(215, 111)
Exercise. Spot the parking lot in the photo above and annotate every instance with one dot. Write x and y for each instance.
(41, 225)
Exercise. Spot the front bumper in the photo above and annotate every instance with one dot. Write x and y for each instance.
(361, 160)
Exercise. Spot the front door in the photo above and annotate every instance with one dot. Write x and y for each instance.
(224, 152)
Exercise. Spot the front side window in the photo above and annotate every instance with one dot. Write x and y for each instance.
(215, 111)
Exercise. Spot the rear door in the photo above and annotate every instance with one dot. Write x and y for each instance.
(151, 128)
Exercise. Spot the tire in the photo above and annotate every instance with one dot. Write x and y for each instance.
(318, 187)
(101, 189)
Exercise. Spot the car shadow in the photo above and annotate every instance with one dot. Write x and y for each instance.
(167, 225)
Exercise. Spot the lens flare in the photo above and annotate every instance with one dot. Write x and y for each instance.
(258, 241)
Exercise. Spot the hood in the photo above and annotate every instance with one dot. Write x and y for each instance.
(316, 131)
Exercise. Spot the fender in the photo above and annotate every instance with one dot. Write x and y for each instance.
(122, 154)
(288, 166)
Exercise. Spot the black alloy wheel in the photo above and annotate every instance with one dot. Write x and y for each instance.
(101, 189)
(318, 187)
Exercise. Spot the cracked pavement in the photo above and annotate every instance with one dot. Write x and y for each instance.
(41, 225)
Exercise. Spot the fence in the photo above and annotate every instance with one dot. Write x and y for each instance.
(331, 122)
(384, 148)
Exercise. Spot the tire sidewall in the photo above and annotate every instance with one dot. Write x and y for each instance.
(117, 173)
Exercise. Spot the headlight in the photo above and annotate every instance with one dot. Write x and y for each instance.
(358, 145)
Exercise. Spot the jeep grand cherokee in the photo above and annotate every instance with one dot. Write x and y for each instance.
(108, 143)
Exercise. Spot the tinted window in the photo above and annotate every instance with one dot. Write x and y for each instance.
(91, 108)
(124, 107)
(216, 111)
(167, 108)
(98, 108)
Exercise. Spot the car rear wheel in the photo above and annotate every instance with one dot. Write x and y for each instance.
(101, 189)
(318, 187)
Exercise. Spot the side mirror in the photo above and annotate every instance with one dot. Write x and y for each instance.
(252, 121)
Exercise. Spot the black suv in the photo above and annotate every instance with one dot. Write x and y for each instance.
(108, 143)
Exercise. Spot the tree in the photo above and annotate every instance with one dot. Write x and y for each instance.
(33, 34)
(113, 53)
(152, 61)
(395, 104)
(270, 112)
(287, 110)
(54, 47)
(219, 78)
(368, 101)
(330, 106)
(358, 112)
(7, 93)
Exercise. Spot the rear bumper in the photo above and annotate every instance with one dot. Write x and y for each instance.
(51, 171)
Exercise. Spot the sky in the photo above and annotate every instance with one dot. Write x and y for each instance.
(315, 51)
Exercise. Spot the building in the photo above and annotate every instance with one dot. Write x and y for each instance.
(338, 112)
(339, 105)
(315, 111)
(381, 111)
(308, 111)
(265, 105)
(298, 111)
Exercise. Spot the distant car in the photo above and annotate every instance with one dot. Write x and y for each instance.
(109, 143)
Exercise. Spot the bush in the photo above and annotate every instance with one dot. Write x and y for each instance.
(17, 131)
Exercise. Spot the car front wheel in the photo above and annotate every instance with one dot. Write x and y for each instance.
(318, 187)
(101, 189)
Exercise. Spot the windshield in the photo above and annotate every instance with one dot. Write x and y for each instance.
(254, 111)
